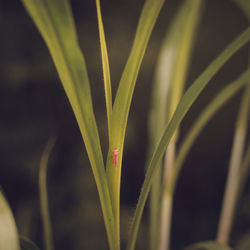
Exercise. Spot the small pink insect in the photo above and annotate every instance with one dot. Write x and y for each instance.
(115, 157)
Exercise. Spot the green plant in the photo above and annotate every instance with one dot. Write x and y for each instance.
(54, 20)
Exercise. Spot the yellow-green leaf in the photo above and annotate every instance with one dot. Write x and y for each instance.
(124, 95)
(105, 66)
(9, 239)
(54, 20)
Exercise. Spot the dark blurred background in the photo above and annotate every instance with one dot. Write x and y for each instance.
(33, 107)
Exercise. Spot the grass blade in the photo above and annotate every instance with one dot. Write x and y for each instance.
(234, 174)
(187, 100)
(234, 178)
(220, 99)
(244, 172)
(105, 66)
(207, 245)
(54, 20)
(244, 5)
(124, 94)
(43, 193)
(9, 239)
(179, 44)
(168, 87)
(27, 244)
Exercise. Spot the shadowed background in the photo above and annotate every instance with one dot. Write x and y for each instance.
(33, 106)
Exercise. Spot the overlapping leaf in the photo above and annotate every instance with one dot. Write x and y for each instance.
(187, 100)
(54, 20)
(168, 88)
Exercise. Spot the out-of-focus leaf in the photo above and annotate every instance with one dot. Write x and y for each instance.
(244, 242)
(27, 244)
(220, 99)
(207, 245)
(244, 5)
(169, 82)
(8, 231)
(234, 180)
(43, 193)
(187, 100)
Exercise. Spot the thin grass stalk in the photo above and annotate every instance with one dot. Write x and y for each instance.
(105, 66)
(43, 193)
(234, 174)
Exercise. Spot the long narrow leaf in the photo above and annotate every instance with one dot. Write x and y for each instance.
(244, 6)
(187, 100)
(105, 66)
(124, 94)
(54, 20)
(167, 90)
(43, 193)
(201, 122)
(244, 171)
(184, 32)
(234, 173)
(8, 231)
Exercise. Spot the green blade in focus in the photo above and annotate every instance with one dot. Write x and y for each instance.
(121, 107)
(105, 66)
(54, 20)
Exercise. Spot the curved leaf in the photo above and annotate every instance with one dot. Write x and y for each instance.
(54, 20)
(221, 98)
(8, 230)
(27, 244)
(207, 245)
(187, 100)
